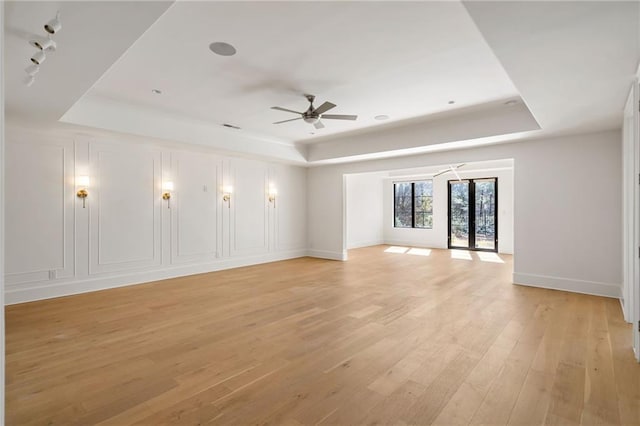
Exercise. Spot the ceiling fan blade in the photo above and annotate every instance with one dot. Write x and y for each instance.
(339, 116)
(456, 173)
(318, 125)
(441, 173)
(284, 121)
(286, 110)
(324, 107)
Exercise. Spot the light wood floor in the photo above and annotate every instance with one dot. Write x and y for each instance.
(381, 339)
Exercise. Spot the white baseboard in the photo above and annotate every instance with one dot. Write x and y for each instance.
(361, 244)
(38, 291)
(626, 315)
(324, 254)
(566, 284)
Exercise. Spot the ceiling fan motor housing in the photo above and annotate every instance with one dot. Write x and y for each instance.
(310, 117)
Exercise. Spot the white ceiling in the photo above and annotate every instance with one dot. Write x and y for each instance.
(573, 62)
(403, 60)
(570, 64)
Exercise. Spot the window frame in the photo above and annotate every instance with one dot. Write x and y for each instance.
(413, 204)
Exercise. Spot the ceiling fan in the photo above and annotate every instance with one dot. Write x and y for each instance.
(313, 115)
(450, 169)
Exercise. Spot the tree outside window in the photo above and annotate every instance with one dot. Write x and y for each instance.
(413, 204)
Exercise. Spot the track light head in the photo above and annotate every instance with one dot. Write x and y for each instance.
(32, 69)
(54, 25)
(29, 80)
(39, 57)
(44, 44)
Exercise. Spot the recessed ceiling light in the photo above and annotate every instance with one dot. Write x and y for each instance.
(231, 126)
(451, 102)
(156, 91)
(381, 117)
(223, 49)
(511, 102)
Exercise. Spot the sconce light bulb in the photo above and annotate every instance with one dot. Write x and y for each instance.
(82, 181)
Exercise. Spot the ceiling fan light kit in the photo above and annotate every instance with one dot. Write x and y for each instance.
(314, 115)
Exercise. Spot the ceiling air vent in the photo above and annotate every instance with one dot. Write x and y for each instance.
(231, 126)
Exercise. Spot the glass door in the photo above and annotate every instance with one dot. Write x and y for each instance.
(459, 214)
(485, 217)
(473, 214)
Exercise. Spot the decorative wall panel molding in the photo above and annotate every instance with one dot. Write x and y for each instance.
(249, 210)
(196, 201)
(125, 222)
(127, 234)
(290, 210)
(39, 209)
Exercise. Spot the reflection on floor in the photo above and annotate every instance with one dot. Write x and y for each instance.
(455, 253)
(406, 250)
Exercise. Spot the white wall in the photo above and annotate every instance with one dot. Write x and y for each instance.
(567, 207)
(127, 234)
(364, 210)
(436, 237)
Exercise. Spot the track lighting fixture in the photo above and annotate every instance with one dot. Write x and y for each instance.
(54, 25)
(44, 43)
(38, 57)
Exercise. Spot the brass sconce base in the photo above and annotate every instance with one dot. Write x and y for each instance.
(82, 193)
(167, 196)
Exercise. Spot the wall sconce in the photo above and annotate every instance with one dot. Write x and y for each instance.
(82, 183)
(167, 188)
(272, 195)
(226, 195)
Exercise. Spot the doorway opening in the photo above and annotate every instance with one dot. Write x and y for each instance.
(473, 214)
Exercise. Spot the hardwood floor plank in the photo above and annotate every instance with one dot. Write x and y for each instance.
(533, 401)
(383, 338)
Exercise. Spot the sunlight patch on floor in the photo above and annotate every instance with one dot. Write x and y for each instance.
(460, 254)
(395, 249)
(419, 252)
(489, 257)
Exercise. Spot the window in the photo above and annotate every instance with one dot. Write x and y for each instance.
(413, 204)
(403, 202)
